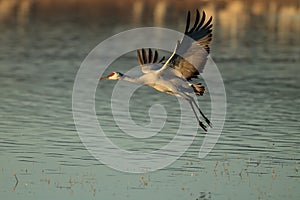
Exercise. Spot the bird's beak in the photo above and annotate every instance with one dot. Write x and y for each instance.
(103, 78)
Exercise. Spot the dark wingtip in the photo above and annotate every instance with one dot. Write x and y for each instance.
(188, 19)
(139, 57)
(203, 126)
(196, 21)
(202, 21)
(150, 56)
(197, 10)
(162, 59)
(155, 56)
(208, 23)
(144, 54)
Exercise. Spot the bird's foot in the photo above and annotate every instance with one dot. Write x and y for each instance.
(203, 126)
(208, 122)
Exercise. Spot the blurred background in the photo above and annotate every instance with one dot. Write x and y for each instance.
(238, 24)
(256, 46)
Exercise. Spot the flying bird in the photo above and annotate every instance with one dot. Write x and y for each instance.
(174, 75)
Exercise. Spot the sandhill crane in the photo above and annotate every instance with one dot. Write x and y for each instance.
(174, 75)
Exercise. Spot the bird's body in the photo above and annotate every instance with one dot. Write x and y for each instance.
(174, 75)
(168, 81)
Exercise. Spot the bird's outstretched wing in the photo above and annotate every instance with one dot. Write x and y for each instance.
(190, 54)
(149, 62)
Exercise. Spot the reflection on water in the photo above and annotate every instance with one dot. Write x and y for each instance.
(256, 47)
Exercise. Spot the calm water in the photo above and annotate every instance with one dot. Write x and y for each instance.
(256, 47)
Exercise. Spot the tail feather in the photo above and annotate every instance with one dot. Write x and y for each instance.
(198, 89)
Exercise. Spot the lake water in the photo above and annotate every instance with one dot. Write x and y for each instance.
(256, 47)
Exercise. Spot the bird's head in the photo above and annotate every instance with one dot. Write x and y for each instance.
(112, 76)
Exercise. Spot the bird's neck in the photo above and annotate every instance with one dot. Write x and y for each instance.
(129, 79)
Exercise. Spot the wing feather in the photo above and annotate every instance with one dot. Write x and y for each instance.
(150, 56)
(188, 18)
(190, 54)
(162, 59)
(202, 21)
(149, 61)
(196, 22)
(144, 54)
(155, 56)
(140, 58)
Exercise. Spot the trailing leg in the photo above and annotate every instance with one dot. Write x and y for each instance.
(205, 118)
(200, 123)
